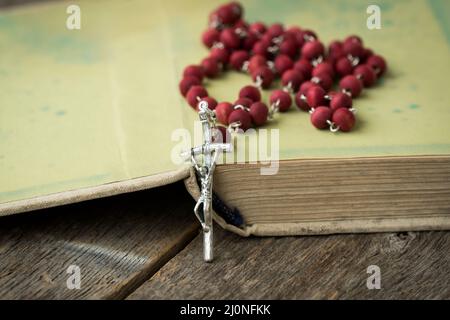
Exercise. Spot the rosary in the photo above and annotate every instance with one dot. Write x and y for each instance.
(307, 71)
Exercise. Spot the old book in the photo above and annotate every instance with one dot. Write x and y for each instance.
(92, 112)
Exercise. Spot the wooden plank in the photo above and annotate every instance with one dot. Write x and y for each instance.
(412, 265)
(117, 242)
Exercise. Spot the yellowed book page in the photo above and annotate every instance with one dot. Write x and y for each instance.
(81, 108)
(406, 113)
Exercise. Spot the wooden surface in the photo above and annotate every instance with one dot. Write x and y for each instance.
(117, 242)
(413, 265)
(121, 242)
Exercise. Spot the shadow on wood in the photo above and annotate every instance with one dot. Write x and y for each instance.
(117, 242)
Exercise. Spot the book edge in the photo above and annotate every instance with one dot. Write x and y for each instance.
(95, 192)
(350, 226)
(341, 159)
(325, 227)
(368, 225)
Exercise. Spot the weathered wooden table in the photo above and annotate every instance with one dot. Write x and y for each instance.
(139, 246)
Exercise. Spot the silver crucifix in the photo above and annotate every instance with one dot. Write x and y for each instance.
(205, 169)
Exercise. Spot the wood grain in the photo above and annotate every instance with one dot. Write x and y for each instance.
(117, 242)
(413, 265)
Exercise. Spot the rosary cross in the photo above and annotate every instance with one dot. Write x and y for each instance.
(205, 169)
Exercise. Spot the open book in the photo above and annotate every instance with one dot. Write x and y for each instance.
(91, 113)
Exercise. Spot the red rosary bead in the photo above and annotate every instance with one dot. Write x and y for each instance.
(366, 74)
(340, 100)
(230, 39)
(275, 30)
(258, 28)
(249, 41)
(251, 93)
(310, 34)
(305, 87)
(294, 31)
(315, 96)
(264, 76)
(237, 9)
(354, 49)
(245, 102)
(378, 64)
(229, 13)
(267, 38)
(305, 67)
(312, 50)
(255, 62)
(353, 39)
(238, 58)
(300, 101)
(220, 54)
(351, 84)
(320, 117)
(210, 67)
(261, 48)
(187, 82)
(344, 119)
(213, 20)
(283, 63)
(368, 53)
(241, 24)
(259, 112)
(289, 36)
(210, 36)
(289, 48)
(297, 35)
(292, 78)
(335, 51)
(242, 116)
(212, 103)
(281, 99)
(323, 67)
(324, 80)
(344, 66)
(194, 71)
(195, 94)
(223, 111)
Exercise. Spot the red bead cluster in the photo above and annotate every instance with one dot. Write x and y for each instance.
(307, 70)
